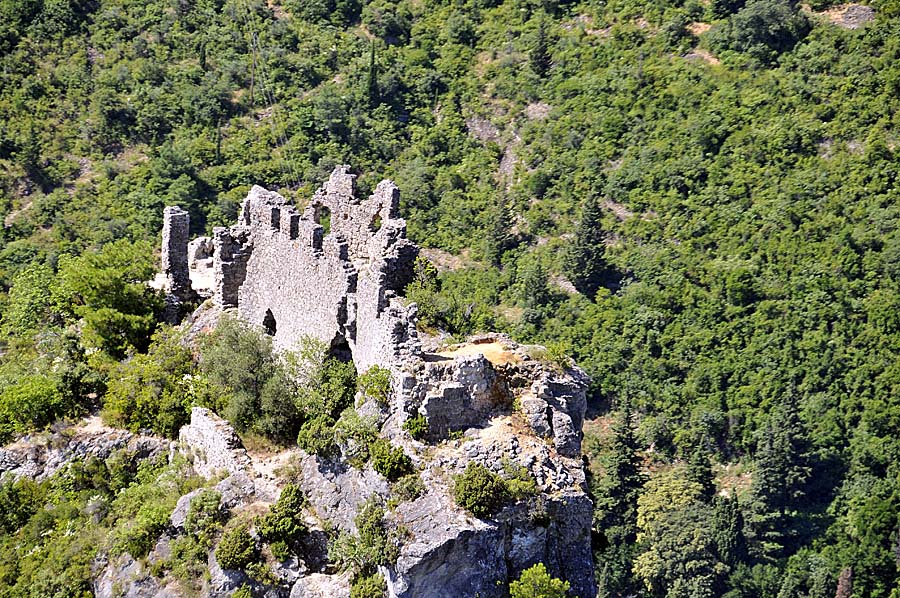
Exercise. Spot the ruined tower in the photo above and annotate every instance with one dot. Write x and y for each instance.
(176, 225)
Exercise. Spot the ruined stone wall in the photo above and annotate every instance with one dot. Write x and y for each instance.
(212, 445)
(297, 282)
(285, 274)
(176, 223)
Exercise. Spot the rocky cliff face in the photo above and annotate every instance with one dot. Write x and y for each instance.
(39, 456)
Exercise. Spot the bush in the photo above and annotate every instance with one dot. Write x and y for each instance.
(108, 290)
(409, 487)
(316, 436)
(204, 517)
(139, 537)
(32, 402)
(148, 391)
(240, 361)
(378, 545)
(389, 461)
(237, 549)
(368, 586)
(417, 426)
(480, 491)
(519, 482)
(376, 384)
(283, 526)
(535, 582)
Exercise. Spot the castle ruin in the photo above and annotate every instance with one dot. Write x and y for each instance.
(336, 271)
(332, 272)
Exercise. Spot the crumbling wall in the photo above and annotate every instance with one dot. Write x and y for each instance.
(176, 223)
(212, 445)
(297, 281)
(285, 274)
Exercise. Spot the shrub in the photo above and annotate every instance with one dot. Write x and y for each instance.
(355, 434)
(368, 586)
(32, 402)
(417, 426)
(409, 487)
(240, 361)
(283, 526)
(316, 436)
(389, 461)
(480, 491)
(519, 482)
(535, 582)
(237, 549)
(107, 289)
(243, 592)
(376, 384)
(147, 391)
(139, 537)
(377, 544)
(204, 517)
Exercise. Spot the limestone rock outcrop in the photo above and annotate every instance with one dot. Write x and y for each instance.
(211, 445)
(39, 456)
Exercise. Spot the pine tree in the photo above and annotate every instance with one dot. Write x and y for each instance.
(534, 289)
(699, 470)
(617, 495)
(499, 238)
(782, 472)
(615, 511)
(728, 531)
(539, 55)
(584, 262)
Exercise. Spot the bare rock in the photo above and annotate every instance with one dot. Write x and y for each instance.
(212, 445)
(319, 585)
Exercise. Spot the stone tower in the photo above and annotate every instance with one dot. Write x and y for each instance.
(176, 225)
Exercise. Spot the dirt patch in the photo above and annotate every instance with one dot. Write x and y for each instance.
(538, 110)
(277, 10)
(14, 215)
(848, 16)
(620, 211)
(564, 284)
(445, 261)
(483, 129)
(494, 352)
(701, 54)
(698, 28)
(586, 22)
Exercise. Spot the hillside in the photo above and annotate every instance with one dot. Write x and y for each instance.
(697, 201)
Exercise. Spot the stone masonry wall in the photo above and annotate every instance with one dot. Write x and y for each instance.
(176, 223)
(284, 274)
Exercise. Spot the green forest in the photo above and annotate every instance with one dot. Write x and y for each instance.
(696, 200)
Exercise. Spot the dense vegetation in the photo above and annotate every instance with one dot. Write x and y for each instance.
(706, 220)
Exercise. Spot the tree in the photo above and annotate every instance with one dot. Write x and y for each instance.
(536, 582)
(258, 393)
(699, 471)
(372, 78)
(728, 530)
(584, 262)
(782, 471)
(499, 237)
(616, 501)
(147, 391)
(533, 284)
(539, 55)
(108, 290)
